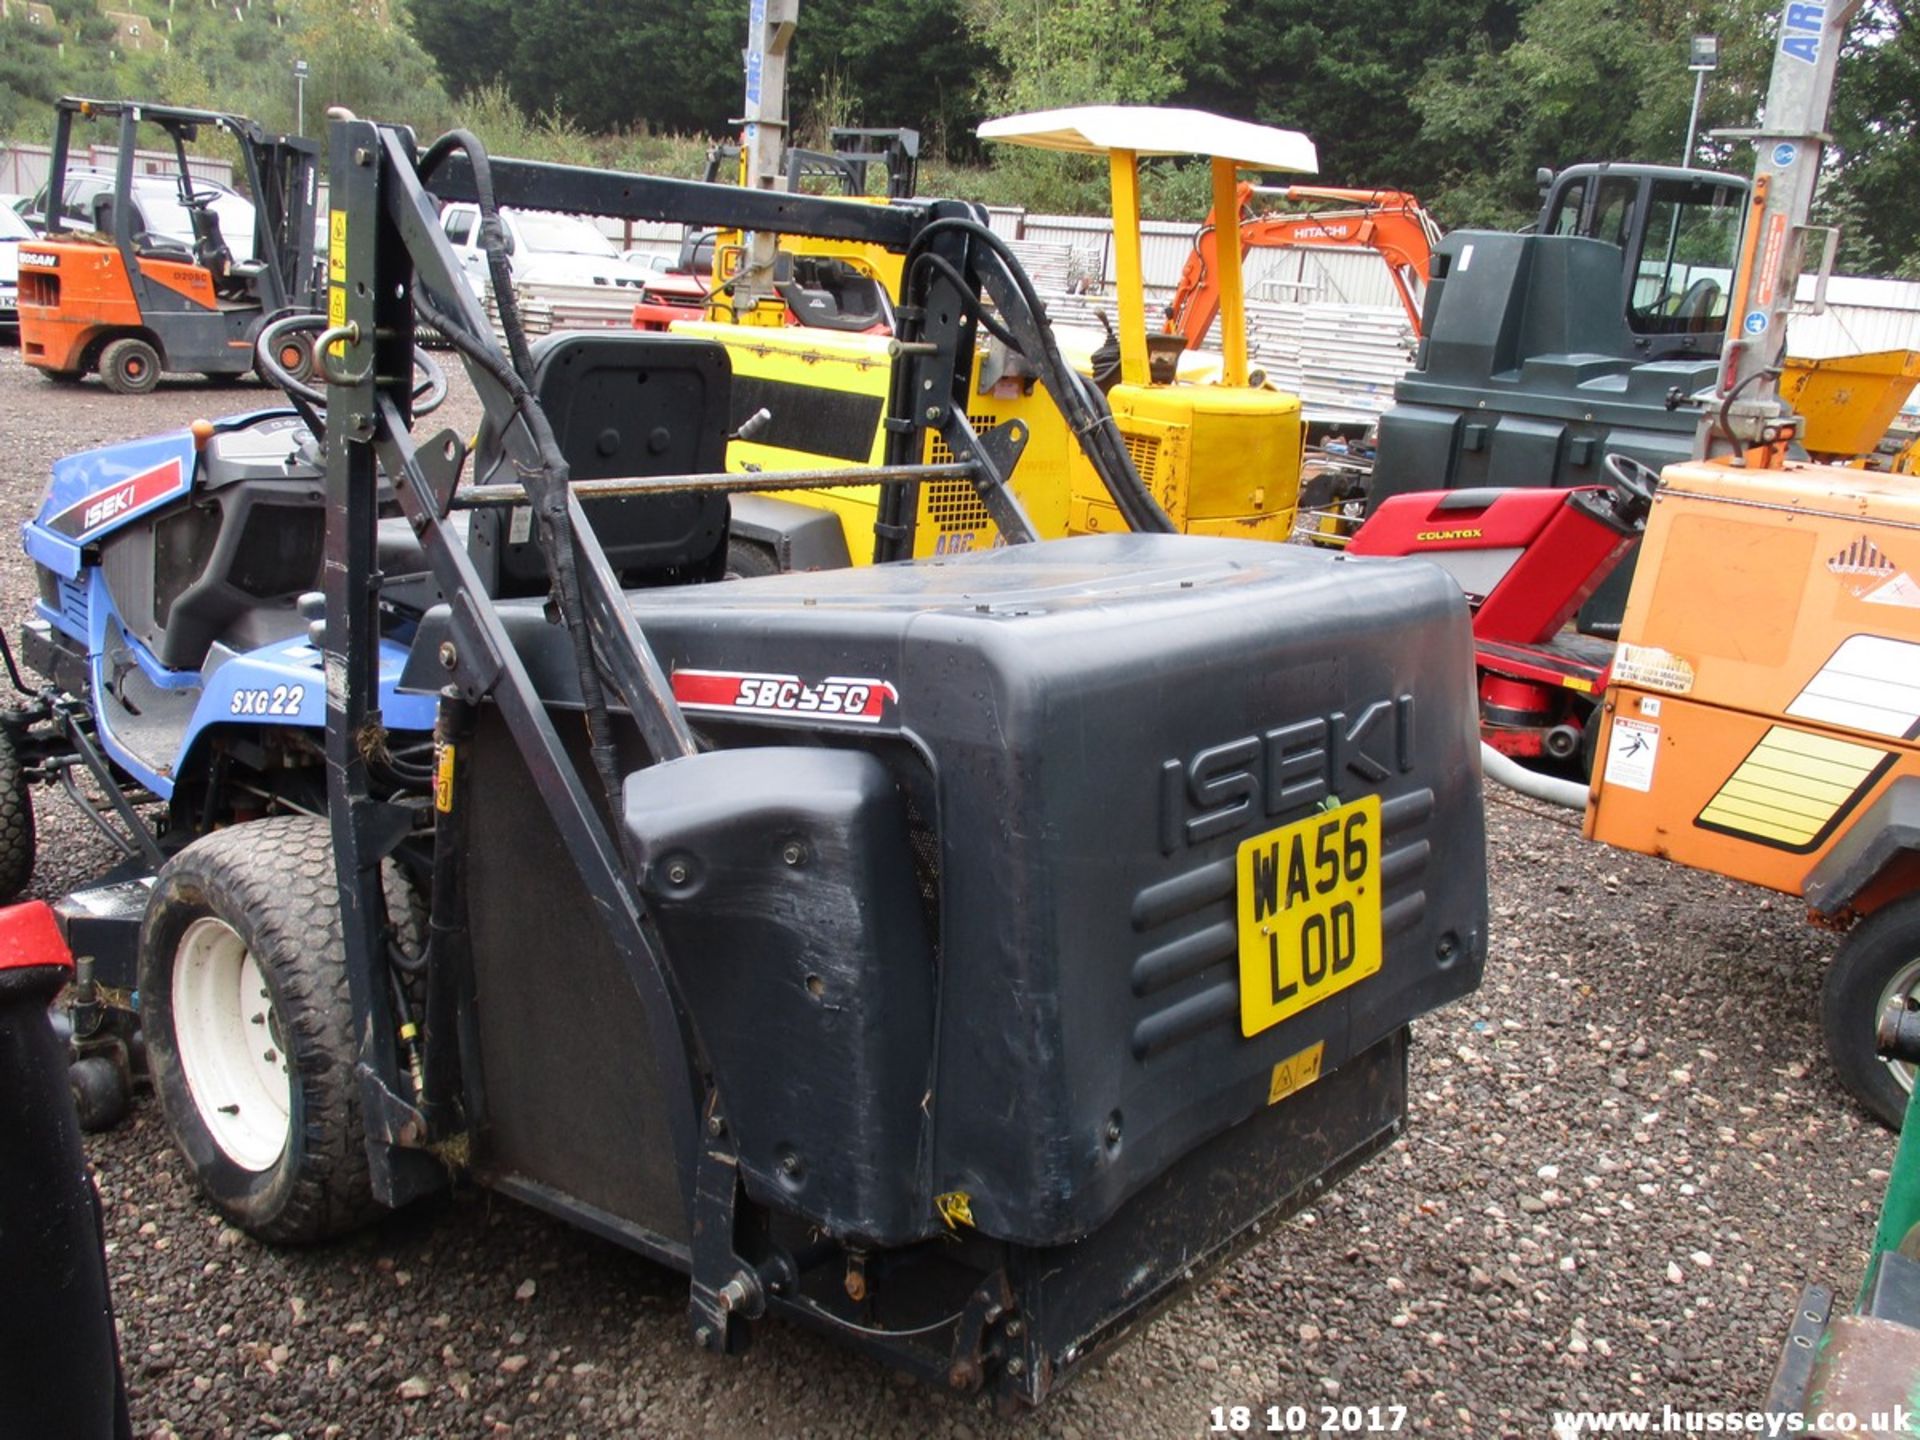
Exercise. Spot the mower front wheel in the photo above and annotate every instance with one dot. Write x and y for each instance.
(1878, 962)
(130, 366)
(17, 842)
(250, 1030)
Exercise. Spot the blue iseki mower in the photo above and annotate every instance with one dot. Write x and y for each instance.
(176, 628)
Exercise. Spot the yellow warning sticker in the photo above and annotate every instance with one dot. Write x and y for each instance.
(443, 759)
(1296, 1072)
(1791, 787)
(337, 246)
(337, 316)
(1652, 668)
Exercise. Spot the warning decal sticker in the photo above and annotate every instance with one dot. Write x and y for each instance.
(1793, 788)
(1871, 684)
(1632, 748)
(1862, 557)
(1651, 668)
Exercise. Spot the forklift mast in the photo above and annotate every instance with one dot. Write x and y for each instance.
(1745, 409)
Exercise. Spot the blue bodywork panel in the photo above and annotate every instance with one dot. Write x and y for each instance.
(279, 684)
(97, 492)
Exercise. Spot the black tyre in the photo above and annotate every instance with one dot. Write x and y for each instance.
(294, 354)
(1878, 961)
(748, 558)
(250, 1031)
(130, 366)
(99, 1093)
(16, 823)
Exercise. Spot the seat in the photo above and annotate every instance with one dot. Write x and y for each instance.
(622, 405)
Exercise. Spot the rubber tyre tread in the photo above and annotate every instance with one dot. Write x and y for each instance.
(114, 358)
(1872, 954)
(17, 839)
(749, 559)
(99, 1093)
(274, 882)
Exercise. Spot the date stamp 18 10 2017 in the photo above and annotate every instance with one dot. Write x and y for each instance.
(1304, 1420)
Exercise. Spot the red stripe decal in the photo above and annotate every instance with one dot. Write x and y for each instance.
(103, 507)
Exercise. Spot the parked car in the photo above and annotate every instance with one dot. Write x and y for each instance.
(12, 231)
(157, 203)
(543, 248)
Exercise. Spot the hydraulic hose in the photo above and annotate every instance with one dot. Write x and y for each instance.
(550, 474)
(1081, 404)
(1505, 770)
(492, 238)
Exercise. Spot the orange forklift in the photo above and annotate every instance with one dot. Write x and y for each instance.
(111, 291)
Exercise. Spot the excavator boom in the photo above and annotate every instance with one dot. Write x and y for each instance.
(1390, 222)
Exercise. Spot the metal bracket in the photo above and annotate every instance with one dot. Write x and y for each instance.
(441, 460)
(993, 456)
(724, 1289)
(390, 1120)
(1788, 1392)
(967, 1368)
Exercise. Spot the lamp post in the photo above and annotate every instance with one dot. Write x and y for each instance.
(300, 97)
(1702, 57)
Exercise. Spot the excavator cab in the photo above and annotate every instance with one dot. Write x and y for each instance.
(1678, 237)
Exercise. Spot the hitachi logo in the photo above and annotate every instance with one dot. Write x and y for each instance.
(1225, 788)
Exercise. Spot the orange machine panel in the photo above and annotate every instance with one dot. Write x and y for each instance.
(1767, 684)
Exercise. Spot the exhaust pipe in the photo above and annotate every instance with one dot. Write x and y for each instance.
(1515, 776)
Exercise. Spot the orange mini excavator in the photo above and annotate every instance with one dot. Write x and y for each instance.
(1391, 222)
(114, 288)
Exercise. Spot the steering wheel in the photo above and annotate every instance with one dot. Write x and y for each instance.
(1696, 306)
(1633, 482)
(283, 354)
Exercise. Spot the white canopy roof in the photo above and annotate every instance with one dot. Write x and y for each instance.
(1157, 130)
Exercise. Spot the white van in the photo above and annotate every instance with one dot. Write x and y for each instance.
(543, 248)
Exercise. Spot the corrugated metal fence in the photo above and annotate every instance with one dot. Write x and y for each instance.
(23, 167)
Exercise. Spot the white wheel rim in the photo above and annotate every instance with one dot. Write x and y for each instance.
(231, 1047)
(1906, 986)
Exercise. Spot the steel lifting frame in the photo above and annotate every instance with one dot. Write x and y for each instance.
(384, 238)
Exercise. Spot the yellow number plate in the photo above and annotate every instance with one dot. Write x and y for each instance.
(1309, 912)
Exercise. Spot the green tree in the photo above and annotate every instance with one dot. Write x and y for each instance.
(905, 63)
(1336, 70)
(1876, 124)
(1053, 53)
(1586, 80)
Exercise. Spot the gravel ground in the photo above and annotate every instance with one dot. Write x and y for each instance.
(1627, 1154)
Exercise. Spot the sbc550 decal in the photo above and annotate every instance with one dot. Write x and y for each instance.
(735, 692)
